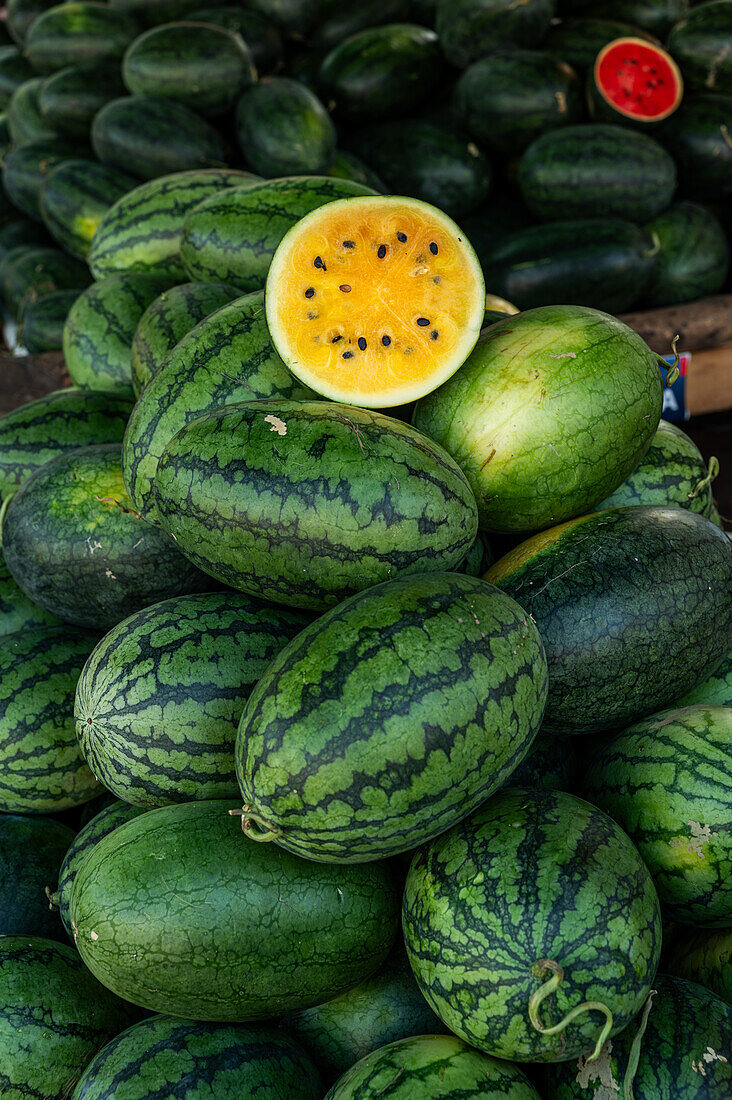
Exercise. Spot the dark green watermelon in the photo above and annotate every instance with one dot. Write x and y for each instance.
(194, 660)
(338, 932)
(698, 137)
(700, 43)
(38, 271)
(339, 21)
(470, 29)
(69, 99)
(202, 66)
(21, 13)
(90, 541)
(31, 851)
(612, 594)
(693, 259)
(78, 34)
(579, 40)
(25, 121)
(74, 198)
(152, 12)
(25, 168)
(17, 612)
(42, 769)
(261, 36)
(704, 956)
(347, 166)
(654, 16)
(14, 71)
(41, 321)
(284, 130)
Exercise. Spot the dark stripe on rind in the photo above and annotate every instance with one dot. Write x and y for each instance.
(308, 502)
(392, 717)
(532, 875)
(74, 199)
(82, 34)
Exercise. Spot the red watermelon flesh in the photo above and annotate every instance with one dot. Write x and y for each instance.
(638, 79)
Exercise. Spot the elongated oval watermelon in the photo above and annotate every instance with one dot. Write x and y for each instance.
(201, 885)
(432, 1067)
(471, 29)
(69, 99)
(222, 1060)
(43, 770)
(705, 956)
(284, 130)
(575, 397)
(54, 1016)
(39, 271)
(17, 611)
(537, 893)
(700, 43)
(596, 170)
(31, 851)
(40, 430)
(74, 197)
(612, 594)
(159, 700)
(666, 781)
(201, 66)
(698, 136)
(228, 357)
(231, 237)
(26, 166)
(78, 34)
(693, 260)
(320, 500)
(25, 121)
(142, 231)
(100, 328)
(423, 695)
(169, 318)
(41, 322)
(261, 36)
(92, 560)
(677, 1047)
(151, 136)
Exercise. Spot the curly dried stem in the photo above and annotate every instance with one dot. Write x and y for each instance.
(551, 986)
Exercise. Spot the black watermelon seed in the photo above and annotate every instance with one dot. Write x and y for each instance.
(309, 292)
(362, 343)
(381, 251)
(336, 339)
(434, 334)
(401, 237)
(345, 288)
(349, 244)
(317, 262)
(347, 355)
(423, 322)
(436, 279)
(386, 340)
(433, 248)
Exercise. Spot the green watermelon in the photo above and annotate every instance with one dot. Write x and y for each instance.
(163, 1054)
(142, 230)
(613, 594)
(41, 322)
(715, 691)
(431, 1067)
(78, 34)
(339, 21)
(693, 260)
(698, 136)
(26, 166)
(54, 1016)
(169, 318)
(575, 397)
(201, 885)
(152, 12)
(672, 472)
(471, 29)
(654, 16)
(40, 430)
(231, 237)
(261, 36)
(74, 197)
(38, 271)
(69, 99)
(577, 41)
(100, 328)
(228, 357)
(704, 955)
(25, 121)
(14, 71)
(417, 699)
(151, 136)
(381, 72)
(700, 43)
(41, 767)
(21, 13)
(305, 503)
(18, 232)
(666, 781)
(17, 612)
(75, 545)
(677, 1048)
(199, 65)
(596, 170)
(159, 700)
(283, 129)
(536, 894)
(31, 851)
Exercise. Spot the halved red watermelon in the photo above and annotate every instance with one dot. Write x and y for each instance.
(638, 80)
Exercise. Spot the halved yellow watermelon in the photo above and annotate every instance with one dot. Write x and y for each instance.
(375, 301)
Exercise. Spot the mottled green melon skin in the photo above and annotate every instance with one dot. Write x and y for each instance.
(666, 781)
(284, 130)
(54, 1016)
(532, 875)
(40, 430)
(688, 1027)
(41, 767)
(195, 1058)
(142, 231)
(575, 397)
(17, 611)
(694, 256)
(432, 1067)
(705, 956)
(101, 325)
(74, 198)
(612, 594)
(93, 560)
(31, 851)
(228, 357)
(160, 698)
(349, 499)
(167, 320)
(78, 34)
(217, 942)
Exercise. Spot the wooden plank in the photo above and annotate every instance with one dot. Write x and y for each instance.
(709, 381)
(706, 323)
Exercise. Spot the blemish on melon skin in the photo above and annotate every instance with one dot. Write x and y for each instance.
(276, 425)
(601, 1071)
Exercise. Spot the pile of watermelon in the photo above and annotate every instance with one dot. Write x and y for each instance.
(365, 653)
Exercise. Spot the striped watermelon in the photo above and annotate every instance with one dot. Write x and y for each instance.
(318, 500)
(160, 698)
(41, 321)
(26, 166)
(74, 198)
(666, 780)
(78, 34)
(30, 274)
(25, 121)
(529, 909)
(69, 99)
(41, 766)
(390, 718)
(283, 129)
(715, 691)
(704, 955)
(31, 851)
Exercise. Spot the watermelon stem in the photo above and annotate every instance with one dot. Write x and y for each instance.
(3, 510)
(672, 373)
(53, 900)
(551, 986)
(712, 471)
(656, 247)
(255, 827)
(634, 1056)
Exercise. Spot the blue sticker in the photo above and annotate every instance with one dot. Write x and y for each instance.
(674, 397)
